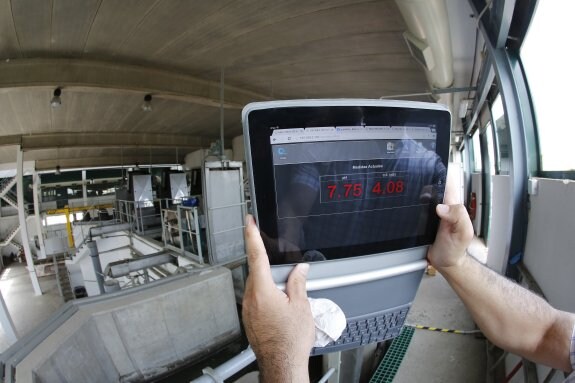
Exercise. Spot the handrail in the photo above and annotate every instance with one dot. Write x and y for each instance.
(235, 365)
(134, 211)
(10, 236)
(187, 218)
(228, 368)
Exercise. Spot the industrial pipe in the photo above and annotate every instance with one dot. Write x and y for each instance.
(327, 375)
(427, 20)
(99, 230)
(126, 266)
(97, 265)
(229, 368)
(236, 364)
(222, 154)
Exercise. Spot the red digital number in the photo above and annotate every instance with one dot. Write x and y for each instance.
(357, 190)
(350, 191)
(391, 187)
(332, 190)
(347, 188)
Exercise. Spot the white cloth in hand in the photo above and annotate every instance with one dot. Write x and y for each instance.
(329, 321)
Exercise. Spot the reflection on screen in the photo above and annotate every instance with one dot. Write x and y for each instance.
(345, 186)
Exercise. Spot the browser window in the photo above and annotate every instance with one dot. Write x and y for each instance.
(345, 186)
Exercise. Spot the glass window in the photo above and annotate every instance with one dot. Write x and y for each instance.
(502, 138)
(490, 152)
(547, 60)
(476, 152)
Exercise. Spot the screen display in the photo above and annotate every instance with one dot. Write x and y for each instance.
(343, 190)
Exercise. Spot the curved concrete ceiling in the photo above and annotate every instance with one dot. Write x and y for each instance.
(106, 55)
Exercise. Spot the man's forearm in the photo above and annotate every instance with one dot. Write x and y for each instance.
(281, 369)
(510, 316)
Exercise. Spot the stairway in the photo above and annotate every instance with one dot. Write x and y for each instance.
(10, 197)
(6, 192)
(10, 237)
(63, 278)
(18, 246)
(6, 185)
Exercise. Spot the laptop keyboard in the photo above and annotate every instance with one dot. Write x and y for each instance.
(361, 332)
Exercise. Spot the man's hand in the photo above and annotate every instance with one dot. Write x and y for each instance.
(279, 325)
(453, 237)
(455, 229)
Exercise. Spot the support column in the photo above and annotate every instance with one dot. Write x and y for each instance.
(23, 226)
(95, 256)
(39, 227)
(71, 244)
(7, 324)
(84, 188)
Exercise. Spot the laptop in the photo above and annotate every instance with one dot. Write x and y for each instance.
(349, 186)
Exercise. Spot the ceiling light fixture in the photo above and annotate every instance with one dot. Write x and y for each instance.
(56, 101)
(147, 105)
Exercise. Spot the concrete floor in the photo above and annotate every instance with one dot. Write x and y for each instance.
(443, 357)
(26, 309)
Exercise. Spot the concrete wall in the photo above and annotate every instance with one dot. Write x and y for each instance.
(550, 253)
(550, 247)
(138, 335)
(500, 220)
(6, 211)
(58, 230)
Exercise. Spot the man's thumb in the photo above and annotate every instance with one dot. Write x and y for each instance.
(295, 287)
(442, 210)
(452, 213)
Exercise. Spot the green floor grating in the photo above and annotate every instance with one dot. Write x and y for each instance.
(393, 357)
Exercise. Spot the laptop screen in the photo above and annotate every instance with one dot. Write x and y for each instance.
(340, 190)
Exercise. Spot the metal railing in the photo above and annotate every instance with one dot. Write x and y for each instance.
(235, 365)
(145, 216)
(181, 231)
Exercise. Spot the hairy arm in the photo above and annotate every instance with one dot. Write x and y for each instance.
(510, 316)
